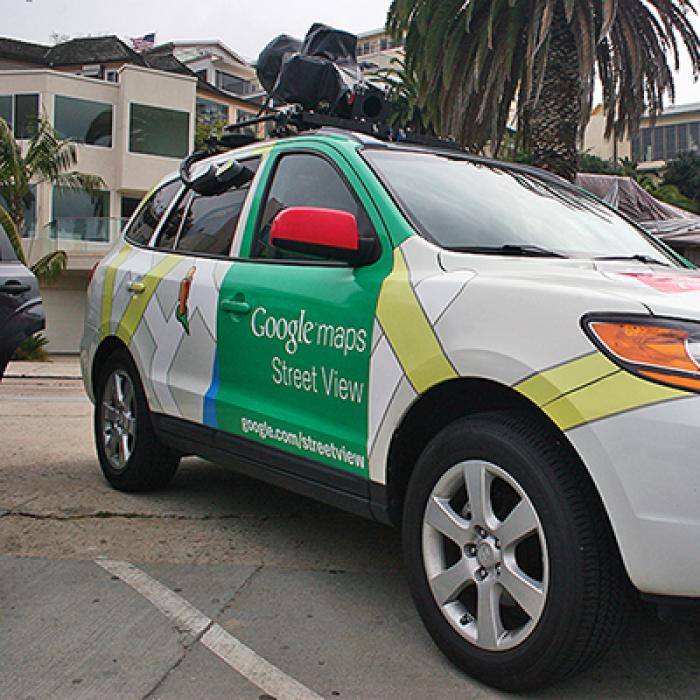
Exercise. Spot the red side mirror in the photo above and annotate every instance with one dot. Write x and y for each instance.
(325, 233)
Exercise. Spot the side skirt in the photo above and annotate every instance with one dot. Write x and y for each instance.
(305, 477)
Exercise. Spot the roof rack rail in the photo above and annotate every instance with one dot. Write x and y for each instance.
(296, 121)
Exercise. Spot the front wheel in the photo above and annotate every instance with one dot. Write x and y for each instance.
(510, 557)
(130, 455)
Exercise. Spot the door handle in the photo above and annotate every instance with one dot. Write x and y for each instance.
(137, 287)
(14, 287)
(235, 306)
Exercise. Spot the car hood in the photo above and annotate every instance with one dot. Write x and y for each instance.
(665, 291)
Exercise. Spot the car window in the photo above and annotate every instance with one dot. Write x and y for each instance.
(145, 223)
(465, 205)
(210, 222)
(205, 224)
(304, 180)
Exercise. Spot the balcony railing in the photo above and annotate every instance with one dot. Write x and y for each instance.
(92, 229)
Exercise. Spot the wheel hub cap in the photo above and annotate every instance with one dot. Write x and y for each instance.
(485, 555)
(118, 419)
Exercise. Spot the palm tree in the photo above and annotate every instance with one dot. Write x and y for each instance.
(46, 158)
(475, 58)
(403, 94)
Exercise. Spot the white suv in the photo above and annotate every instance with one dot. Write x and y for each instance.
(475, 351)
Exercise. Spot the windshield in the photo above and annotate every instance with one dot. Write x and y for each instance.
(481, 207)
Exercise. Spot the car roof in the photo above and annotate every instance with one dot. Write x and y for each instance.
(361, 141)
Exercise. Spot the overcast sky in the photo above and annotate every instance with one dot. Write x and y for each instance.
(245, 26)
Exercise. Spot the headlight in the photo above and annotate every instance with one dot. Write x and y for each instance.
(663, 350)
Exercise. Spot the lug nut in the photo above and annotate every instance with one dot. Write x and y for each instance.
(481, 531)
(470, 550)
(498, 569)
(482, 573)
(497, 543)
(465, 619)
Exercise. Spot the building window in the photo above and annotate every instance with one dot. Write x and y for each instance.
(665, 142)
(384, 44)
(112, 76)
(129, 206)
(201, 74)
(209, 112)
(19, 111)
(84, 120)
(158, 131)
(77, 215)
(234, 84)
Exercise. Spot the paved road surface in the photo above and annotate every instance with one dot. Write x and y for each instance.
(284, 589)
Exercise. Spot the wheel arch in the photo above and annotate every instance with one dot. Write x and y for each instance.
(435, 410)
(107, 347)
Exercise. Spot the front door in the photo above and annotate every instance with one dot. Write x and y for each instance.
(295, 333)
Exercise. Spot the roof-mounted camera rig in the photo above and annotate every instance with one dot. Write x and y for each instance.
(311, 84)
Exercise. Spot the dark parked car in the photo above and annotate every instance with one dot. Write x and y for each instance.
(21, 310)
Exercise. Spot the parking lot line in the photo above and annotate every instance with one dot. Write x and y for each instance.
(230, 650)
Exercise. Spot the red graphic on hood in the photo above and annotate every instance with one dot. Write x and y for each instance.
(669, 284)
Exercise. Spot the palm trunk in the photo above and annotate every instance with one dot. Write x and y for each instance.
(553, 121)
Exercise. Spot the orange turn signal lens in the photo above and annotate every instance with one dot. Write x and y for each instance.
(655, 346)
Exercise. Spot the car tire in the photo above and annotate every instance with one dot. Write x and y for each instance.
(130, 455)
(510, 557)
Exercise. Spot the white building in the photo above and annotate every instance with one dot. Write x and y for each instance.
(133, 117)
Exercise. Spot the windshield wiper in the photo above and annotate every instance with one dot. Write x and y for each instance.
(647, 259)
(521, 250)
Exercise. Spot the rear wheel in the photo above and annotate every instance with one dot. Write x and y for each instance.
(510, 557)
(131, 456)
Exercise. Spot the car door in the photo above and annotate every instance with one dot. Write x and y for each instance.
(161, 291)
(295, 332)
(21, 310)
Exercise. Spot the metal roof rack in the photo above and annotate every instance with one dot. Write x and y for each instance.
(297, 121)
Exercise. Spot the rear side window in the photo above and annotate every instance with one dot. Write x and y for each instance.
(205, 225)
(142, 228)
(211, 222)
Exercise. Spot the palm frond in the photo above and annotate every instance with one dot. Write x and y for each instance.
(49, 268)
(8, 224)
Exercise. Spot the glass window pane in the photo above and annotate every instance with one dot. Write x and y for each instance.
(305, 181)
(142, 228)
(460, 204)
(211, 112)
(26, 111)
(646, 144)
(694, 128)
(211, 221)
(129, 206)
(670, 142)
(79, 216)
(6, 108)
(682, 136)
(658, 153)
(637, 148)
(158, 131)
(84, 120)
(169, 230)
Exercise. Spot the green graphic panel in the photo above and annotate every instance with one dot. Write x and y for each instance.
(294, 346)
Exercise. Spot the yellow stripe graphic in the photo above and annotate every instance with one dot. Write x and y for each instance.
(611, 395)
(547, 386)
(108, 289)
(410, 334)
(137, 306)
(590, 388)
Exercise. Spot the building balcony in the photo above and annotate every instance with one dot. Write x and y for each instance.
(86, 240)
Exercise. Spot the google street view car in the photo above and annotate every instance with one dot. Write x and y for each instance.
(476, 352)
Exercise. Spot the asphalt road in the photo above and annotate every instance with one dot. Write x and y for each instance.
(238, 589)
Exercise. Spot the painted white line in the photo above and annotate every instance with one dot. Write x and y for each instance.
(229, 649)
